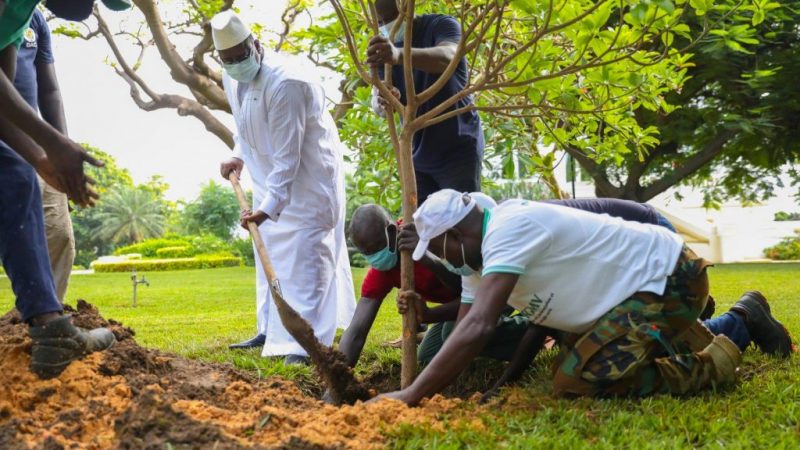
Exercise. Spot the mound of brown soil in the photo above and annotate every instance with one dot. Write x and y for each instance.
(132, 397)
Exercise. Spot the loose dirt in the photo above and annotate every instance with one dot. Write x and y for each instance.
(132, 397)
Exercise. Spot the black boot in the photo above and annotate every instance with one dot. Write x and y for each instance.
(766, 332)
(257, 341)
(59, 342)
(291, 360)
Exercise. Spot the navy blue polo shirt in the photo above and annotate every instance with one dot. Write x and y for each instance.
(459, 139)
(35, 49)
(614, 207)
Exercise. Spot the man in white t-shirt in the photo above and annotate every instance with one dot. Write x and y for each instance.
(623, 292)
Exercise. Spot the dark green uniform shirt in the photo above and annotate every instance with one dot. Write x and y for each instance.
(14, 21)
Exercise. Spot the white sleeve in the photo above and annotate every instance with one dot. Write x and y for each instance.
(374, 102)
(237, 147)
(469, 286)
(512, 243)
(286, 123)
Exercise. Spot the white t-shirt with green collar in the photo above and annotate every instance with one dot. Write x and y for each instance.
(573, 265)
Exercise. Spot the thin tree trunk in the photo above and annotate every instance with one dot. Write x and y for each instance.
(408, 185)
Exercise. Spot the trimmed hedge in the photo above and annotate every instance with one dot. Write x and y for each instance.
(786, 250)
(174, 252)
(158, 265)
(150, 247)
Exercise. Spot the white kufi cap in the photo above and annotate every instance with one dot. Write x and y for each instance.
(228, 30)
(440, 212)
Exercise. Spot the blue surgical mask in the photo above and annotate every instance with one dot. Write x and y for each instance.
(246, 70)
(465, 270)
(387, 28)
(385, 259)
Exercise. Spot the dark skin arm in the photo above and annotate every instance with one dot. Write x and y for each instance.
(354, 337)
(21, 126)
(51, 106)
(431, 60)
(408, 239)
(442, 313)
(467, 340)
(529, 346)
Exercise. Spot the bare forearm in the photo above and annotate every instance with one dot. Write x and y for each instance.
(443, 313)
(51, 105)
(431, 59)
(21, 143)
(19, 115)
(52, 110)
(355, 336)
(457, 352)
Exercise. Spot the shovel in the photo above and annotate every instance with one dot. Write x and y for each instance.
(329, 363)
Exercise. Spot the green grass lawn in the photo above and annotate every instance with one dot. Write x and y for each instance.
(197, 313)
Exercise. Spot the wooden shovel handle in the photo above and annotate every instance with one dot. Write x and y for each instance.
(261, 249)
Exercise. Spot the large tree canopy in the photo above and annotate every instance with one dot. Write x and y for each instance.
(733, 126)
(643, 94)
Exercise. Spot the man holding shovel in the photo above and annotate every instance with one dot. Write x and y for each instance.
(291, 147)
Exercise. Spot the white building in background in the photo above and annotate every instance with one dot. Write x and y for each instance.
(734, 233)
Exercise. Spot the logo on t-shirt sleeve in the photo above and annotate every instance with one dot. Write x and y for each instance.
(29, 38)
(538, 310)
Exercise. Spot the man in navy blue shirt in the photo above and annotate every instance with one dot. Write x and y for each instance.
(55, 340)
(36, 82)
(447, 154)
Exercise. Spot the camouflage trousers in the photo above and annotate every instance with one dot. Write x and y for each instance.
(647, 344)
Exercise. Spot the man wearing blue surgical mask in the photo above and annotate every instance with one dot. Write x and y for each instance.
(446, 155)
(374, 233)
(290, 145)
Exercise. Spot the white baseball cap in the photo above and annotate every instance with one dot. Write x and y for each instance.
(440, 212)
(483, 200)
(228, 30)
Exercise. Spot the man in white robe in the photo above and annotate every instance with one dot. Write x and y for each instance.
(290, 145)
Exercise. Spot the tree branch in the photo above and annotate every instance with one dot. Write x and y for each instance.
(179, 70)
(710, 151)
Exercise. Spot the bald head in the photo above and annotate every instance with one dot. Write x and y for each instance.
(368, 228)
(386, 10)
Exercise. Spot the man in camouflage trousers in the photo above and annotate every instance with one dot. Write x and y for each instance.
(626, 295)
(648, 343)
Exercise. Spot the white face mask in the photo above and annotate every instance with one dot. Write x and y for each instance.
(246, 70)
(387, 28)
(465, 270)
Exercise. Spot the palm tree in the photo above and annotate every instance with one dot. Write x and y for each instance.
(129, 214)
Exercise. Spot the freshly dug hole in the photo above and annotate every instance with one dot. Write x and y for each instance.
(132, 397)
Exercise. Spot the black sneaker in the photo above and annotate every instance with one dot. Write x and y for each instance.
(59, 342)
(766, 332)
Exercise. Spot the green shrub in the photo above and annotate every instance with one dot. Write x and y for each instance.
(243, 248)
(158, 265)
(783, 216)
(357, 259)
(207, 244)
(149, 247)
(786, 250)
(175, 252)
(167, 247)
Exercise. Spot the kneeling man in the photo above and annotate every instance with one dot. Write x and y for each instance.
(623, 292)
